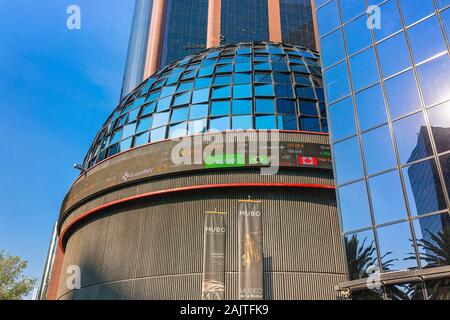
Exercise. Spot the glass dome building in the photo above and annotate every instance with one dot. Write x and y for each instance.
(233, 87)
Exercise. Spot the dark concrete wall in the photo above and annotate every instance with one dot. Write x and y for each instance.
(152, 248)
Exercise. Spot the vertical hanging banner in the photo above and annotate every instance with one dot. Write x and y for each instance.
(250, 250)
(213, 285)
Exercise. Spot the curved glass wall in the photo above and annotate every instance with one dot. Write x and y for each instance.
(388, 98)
(243, 86)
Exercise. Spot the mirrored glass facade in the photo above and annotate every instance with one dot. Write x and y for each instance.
(244, 86)
(387, 89)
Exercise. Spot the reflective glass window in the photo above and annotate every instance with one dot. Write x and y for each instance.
(264, 90)
(415, 10)
(221, 124)
(413, 142)
(141, 139)
(445, 165)
(129, 130)
(265, 106)
(242, 91)
(241, 107)
(243, 67)
(241, 122)
(428, 32)
(144, 124)
(308, 108)
(360, 249)
(409, 291)
(337, 82)
(440, 126)
(352, 8)
(181, 99)
(285, 106)
(177, 130)
(265, 122)
(222, 80)
(167, 91)
(240, 78)
(180, 114)
(264, 77)
(202, 83)
(160, 119)
(201, 95)
(423, 188)
(354, 206)
(402, 94)
(126, 144)
(116, 136)
(221, 92)
(305, 92)
(287, 122)
(310, 124)
(347, 157)
(391, 22)
(370, 107)
(438, 289)
(185, 86)
(359, 35)
(396, 247)
(394, 55)
(387, 197)
(332, 47)
(342, 119)
(225, 68)
(284, 90)
(378, 150)
(328, 17)
(158, 134)
(198, 111)
(435, 80)
(197, 126)
(364, 69)
(164, 104)
(219, 108)
(133, 115)
(432, 237)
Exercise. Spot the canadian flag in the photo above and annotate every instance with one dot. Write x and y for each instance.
(307, 161)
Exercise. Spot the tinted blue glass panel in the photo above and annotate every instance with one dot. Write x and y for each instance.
(241, 107)
(387, 198)
(265, 122)
(328, 17)
(332, 47)
(342, 119)
(158, 134)
(391, 22)
(241, 122)
(221, 92)
(347, 157)
(164, 104)
(284, 90)
(202, 83)
(286, 106)
(178, 130)
(197, 126)
(160, 119)
(179, 115)
(396, 247)
(309, 124)
(412, 138)
(439, 117)
(287, 122)
(431, 234)
(242, 78)
(265, 106)
(378, 150)
(355, 244)
(371, 108)
(423, 188)
(402, 94)
(308, 108)
(435, 80)
(220, 124)
(141, 139)
(201, 95)
(428, 32)
(358, 35)
(242, 91)
(352, 8)
(265, 90)
(364, 69)
(416, 10)
(354, 206)
(144, 124)
(394, 55)
(222, 80)
(219, 108)
(337, 83)
(182, 99)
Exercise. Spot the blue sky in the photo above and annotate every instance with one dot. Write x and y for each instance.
(57, 86)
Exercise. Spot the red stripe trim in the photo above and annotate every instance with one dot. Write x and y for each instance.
(193, 135)
(174, 190)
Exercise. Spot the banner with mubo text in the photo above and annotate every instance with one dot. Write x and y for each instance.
(213, 285)
(250, 250)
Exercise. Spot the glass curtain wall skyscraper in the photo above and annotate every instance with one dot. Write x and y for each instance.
(164, 31)
(387, 82)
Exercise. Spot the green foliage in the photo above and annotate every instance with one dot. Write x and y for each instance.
(14, 285)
